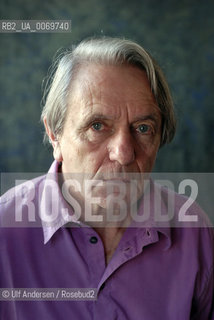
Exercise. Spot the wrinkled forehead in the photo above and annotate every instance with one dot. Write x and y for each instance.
(111, 84)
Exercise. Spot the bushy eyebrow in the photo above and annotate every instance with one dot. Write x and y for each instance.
(153, 116)
(100, 116)
(94, 117)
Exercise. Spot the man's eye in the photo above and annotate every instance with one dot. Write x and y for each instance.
(97, 126)
(143, 128)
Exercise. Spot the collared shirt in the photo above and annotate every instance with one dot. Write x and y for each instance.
(155, 272)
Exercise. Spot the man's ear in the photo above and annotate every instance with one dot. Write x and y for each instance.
(54, 141)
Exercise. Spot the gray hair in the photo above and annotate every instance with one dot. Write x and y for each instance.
(105, 51)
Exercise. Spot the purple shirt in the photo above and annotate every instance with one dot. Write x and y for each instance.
(155, 273)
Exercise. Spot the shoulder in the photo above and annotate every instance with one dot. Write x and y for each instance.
(22, 189)
(18, 198)
(191, 229)
(182, 210)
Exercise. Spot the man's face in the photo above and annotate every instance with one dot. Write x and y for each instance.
(113, 123)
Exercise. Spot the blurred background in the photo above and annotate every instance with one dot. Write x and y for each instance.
(179, 34)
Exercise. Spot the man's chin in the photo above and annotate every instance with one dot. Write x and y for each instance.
(108, 212)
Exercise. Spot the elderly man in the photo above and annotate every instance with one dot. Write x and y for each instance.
(108, 111)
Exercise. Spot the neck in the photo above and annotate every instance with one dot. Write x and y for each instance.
(110, 238)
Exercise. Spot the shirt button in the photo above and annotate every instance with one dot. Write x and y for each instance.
(93, 239)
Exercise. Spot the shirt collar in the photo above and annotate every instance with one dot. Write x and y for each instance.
(62, 213)
(151, 206)
(55, 212)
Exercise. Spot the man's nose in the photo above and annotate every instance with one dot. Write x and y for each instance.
(121, 148)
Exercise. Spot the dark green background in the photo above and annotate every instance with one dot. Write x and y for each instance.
(180, 35)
